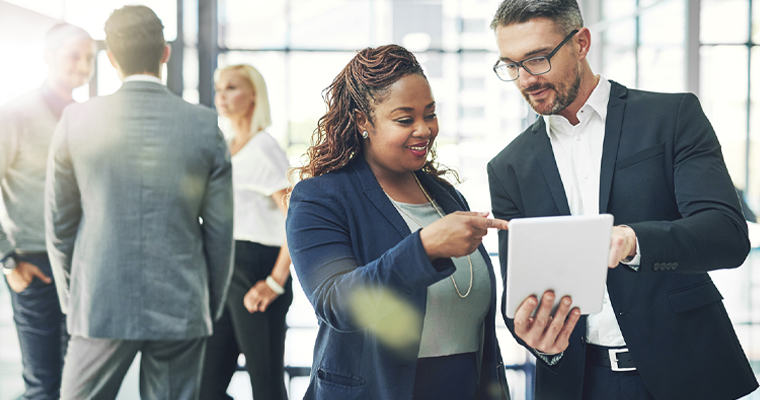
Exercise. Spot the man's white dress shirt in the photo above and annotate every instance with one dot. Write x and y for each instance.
(578, 153)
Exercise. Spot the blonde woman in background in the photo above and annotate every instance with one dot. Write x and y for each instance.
(261, 290)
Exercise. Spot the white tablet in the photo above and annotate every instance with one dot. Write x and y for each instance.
(567, 254)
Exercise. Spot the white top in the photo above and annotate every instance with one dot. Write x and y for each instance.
(452, 325)
(259, 170)
(578, 153)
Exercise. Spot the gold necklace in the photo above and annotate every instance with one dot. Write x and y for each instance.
(435, 207)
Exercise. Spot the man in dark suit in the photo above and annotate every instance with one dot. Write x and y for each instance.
(653, 161)
(138, 212)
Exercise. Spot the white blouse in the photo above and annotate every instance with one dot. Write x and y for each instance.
(259, 170)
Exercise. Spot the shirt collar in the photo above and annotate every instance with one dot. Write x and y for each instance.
(597, 102)
(143, 78)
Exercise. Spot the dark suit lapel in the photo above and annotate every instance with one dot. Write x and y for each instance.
(612, 130)
(542, 148)
(377, 196)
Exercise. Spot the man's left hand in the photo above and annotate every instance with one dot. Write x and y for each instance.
(622, 245)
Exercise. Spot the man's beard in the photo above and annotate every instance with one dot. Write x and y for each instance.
(562, 99)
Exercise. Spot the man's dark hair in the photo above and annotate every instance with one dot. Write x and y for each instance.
(135, 36)
(565, 14)
(60, 33)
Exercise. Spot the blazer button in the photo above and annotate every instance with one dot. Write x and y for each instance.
(675, 265)
(669, 266)
(656, 266)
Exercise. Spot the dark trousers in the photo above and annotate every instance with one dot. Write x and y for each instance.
(259, 336)
(41, 328)
(453, 377)
(602, 383)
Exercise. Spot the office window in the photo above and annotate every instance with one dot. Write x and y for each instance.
(753, 189)
(324, 24)
(661, 48)
(725, 102)
(724, 21)
(617, 52)
(253, 24)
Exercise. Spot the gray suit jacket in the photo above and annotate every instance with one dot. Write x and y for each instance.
(138, 215)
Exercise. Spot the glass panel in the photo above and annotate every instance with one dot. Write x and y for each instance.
(620, 66)
(661, 51)
(753, 191)
(466, 24)
(190, 22)
(661, 68)
(335, 24)
(414, 20)
(613, 10)
(190, 75)
(305, 90)
(92, 15)
(726, 104)
(615, 58)
(724, 21)
(735, 286)
(108, 79)
(446, 86)
(756, 21)
(659, 27)
(753, 262)
(253, 24)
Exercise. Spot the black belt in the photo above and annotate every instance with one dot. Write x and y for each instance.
(617, 359)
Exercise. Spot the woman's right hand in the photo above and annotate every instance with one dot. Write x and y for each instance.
(457, 234)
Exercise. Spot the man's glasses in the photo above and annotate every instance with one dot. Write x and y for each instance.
(534, 65)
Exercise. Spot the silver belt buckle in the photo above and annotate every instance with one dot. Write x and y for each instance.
(614, 360)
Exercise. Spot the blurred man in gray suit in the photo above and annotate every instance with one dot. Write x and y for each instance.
(138, 212)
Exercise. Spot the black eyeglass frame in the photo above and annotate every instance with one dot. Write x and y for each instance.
(519, 64)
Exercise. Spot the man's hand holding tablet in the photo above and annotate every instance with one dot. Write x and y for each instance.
(544, 332)
(550, 332)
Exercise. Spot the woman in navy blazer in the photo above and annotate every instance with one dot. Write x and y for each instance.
(370, 278)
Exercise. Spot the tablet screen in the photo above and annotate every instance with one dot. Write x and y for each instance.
(567, 254)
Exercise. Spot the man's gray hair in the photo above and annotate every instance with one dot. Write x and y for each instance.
(60, 33)
(565, 14)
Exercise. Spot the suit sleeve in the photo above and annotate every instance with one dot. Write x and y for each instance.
(217, 216)
(712, 233)
(346, 295)
(63, 210)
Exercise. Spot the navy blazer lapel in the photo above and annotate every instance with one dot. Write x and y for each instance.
(612, 131)
(377, 196)
(542, 148)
